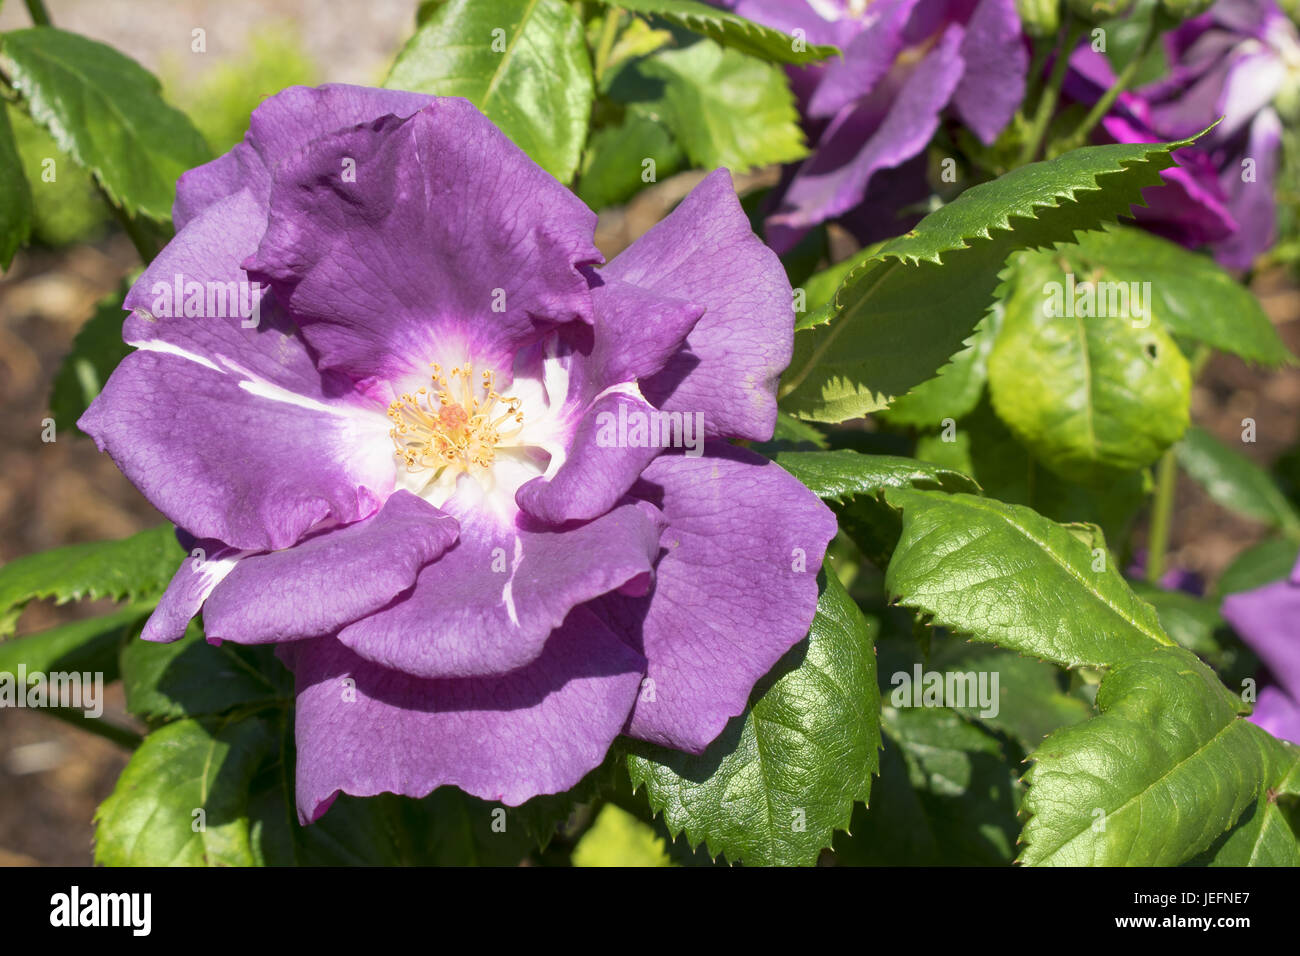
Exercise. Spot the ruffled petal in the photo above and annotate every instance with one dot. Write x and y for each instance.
(735, 589)
(330, 579)
(362, 729)
(404, 242)
(237, 458)
(881, 132)
(206, 567)
(705, 253)
(487, 606)
(195, 299)
(610, 448)
(867, 59)
(1252, 203)
(278, 127)
(996, 60)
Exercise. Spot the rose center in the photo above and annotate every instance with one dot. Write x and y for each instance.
(455, 423)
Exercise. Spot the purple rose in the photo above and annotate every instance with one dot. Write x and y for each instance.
(871, 114)
(1268, 621)
(1233, 62)
(476, 489)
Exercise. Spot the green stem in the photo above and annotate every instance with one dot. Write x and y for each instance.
(608, 34)
(1051, 92)
(1162, 512)
(1103, 105)
(40, 16)
(1162, 509)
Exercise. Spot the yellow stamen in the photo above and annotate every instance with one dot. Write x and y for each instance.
(452, 427)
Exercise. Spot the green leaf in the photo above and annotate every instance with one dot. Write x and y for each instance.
(983, 448)
(842, 476)
(523, 63)
(946, 796)
(724, 108)
(1266, 562)
(138, 568)
(1268, 834)
(96, 351)
(1031, 699)
(1005, 574)
(784, 775)
(956, 390)
(106, 111)
(192, 678)
(1166, 768)
(854, 484)
(1088, 395)
(1168, 765)
(617, 838)
(89, 645)
(1189, 620)
(15, 196)
(613, 164)
(904, 312)
(728, 29)
(1234, 481)
(1191, 295)
(152, 817)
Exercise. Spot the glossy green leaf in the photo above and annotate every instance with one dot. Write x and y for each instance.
(898, 317)
(15, 196)
(843, 475)
(1168, 765)
(1234, 481)
(524, 63)
(1005, 574)
(1192, 296)
(106, 111)
(724, 108)
(136, 568)
(854, 484)
(728, 29)
(985, 449)
(1089, 395)
(956, 390)
(784, 775)
(1268, 834)
(183, 799)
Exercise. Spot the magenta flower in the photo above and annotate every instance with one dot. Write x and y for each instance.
(1232, 62)
(473, 487)
(1268, 621)
(871, 114)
